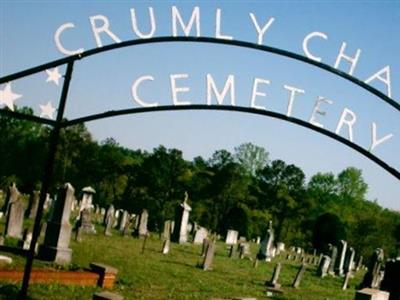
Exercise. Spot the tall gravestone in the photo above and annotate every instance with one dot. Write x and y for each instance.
(181, 220)
(142, 228)
(167, 230)
(333, 256)
(12, 195)
(58, 230)
(33, 204)
(209, 257)
(339, 268)
(266, 245)
(109, 220)
(372, 277)
(123, 220)
(349, 261)
(15, 214)
(323, 266)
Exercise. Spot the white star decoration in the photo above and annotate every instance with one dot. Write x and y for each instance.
(53, 75)
(7, 97)
(47, 110)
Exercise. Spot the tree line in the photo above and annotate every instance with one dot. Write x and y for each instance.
(241, 190)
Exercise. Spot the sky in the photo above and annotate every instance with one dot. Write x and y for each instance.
(104, 82)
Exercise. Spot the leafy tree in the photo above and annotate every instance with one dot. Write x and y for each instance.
(251, 157)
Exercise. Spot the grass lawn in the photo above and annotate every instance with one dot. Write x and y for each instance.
(152, 275)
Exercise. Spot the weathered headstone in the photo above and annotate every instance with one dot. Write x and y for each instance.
(280, 247)
(58, 230)
(109, 220)
(123, 219)
(346, 280)
(166, 246)
(266, 246)
(372, 277)
(206, 242)
(12, 195)
(333, 256)
(86, 221)
(258, 240)
(339, 268)
(181, 220)
(349, 260)
(33, 204)
(208, 258)
(244, 250)
(231, 237)
(167, 230)
(371, 294)
(273, 283)
(15, 215)
(127, 227)
(299, 276)
(200, 235)
(142, 228)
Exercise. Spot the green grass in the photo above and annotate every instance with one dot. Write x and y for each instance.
(153, 275)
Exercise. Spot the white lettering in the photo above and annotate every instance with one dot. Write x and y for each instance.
(135, 24)
(57, 40)
(105, 27)
(349, 122)
(261, 31)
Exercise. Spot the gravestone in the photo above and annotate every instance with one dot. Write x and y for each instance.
(127, 228)
(123, 220)
(109, 220)
(391, 279)
(273, 283)
(87, 198)
(266, 246)
(333, 256)
(244, 250)
(166, 246)
(167, 230)
(349, 261)
(200, 235)
(371, 294)
(58, 230)
(110, 212)
(346, 280)
(142, 228)
(116, 218)
(372, 277)
(280, 247)
(206, 242)
(231, 237)
(33, 204)
(15, 215)
(181, 220)
(86, 221)
(339, 268)
(209, 256)
(12, 195)
(299, 276)
(258, 239)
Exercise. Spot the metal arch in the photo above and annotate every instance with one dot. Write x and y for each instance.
(268, 113)
(210, 40)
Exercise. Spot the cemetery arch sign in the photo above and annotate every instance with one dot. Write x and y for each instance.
(59, 123)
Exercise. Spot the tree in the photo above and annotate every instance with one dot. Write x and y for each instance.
(328, 229)
(251, 157)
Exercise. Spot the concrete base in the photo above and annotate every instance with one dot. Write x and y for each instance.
(60, 256)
